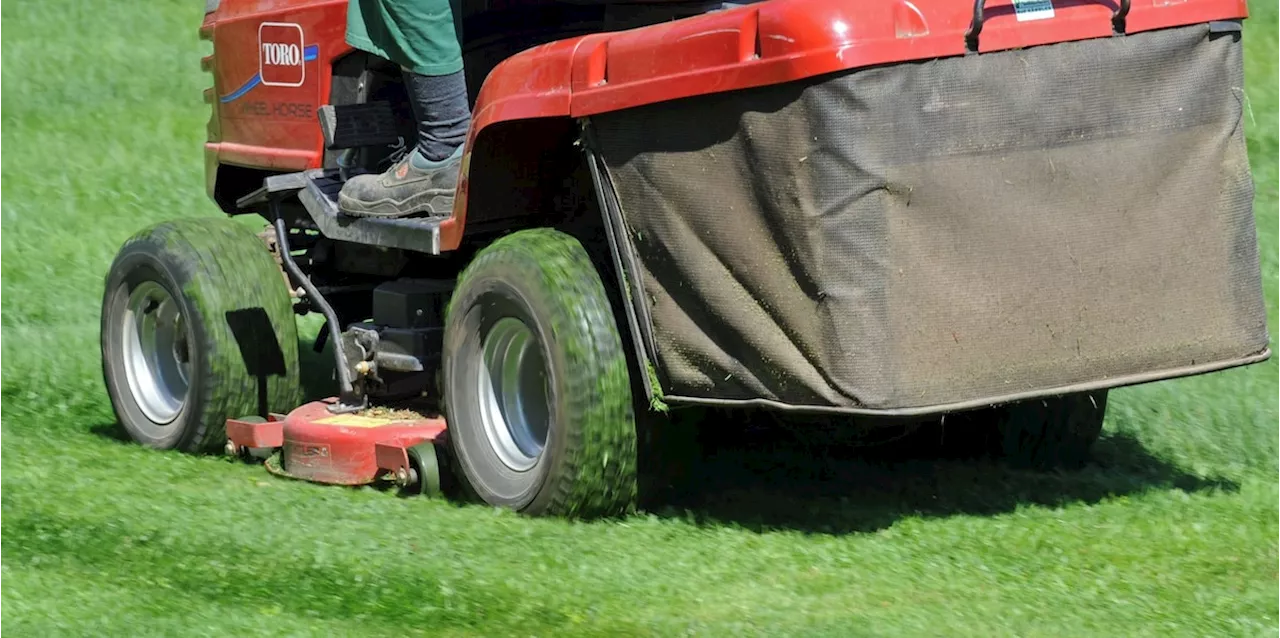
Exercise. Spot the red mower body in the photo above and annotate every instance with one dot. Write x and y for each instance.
(272, 62)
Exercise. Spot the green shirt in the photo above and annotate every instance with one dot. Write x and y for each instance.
(422, 36)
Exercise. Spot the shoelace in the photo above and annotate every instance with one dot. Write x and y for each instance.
(346, 159)
(399, 151)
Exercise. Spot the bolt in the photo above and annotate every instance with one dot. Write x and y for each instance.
(363, 368)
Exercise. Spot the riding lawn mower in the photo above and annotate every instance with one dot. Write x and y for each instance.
(865, 210)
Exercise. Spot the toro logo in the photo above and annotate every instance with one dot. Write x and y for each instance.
(280, 54)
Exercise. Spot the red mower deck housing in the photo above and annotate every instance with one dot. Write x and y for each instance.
(340, 449)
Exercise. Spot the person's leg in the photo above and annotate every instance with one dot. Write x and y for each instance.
(420, 36)
(440, 105)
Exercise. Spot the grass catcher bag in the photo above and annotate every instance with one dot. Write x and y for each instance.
(951, 232)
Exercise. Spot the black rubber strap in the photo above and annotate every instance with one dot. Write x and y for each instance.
(1118, 18)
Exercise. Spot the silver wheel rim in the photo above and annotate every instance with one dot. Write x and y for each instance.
(514, 409)
(157, 356)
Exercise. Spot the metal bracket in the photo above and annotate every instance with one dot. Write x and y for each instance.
(254, 433)
(350, 399)
(624, 262)
(320, 198)
(273, 185)
(413, 467)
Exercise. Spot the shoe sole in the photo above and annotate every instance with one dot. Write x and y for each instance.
(432, 203)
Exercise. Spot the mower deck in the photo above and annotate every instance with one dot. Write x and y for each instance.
(313, 444)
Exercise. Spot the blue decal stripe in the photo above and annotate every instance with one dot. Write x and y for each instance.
(236, 94)
(308, 54)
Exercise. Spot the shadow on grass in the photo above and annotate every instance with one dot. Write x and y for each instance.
(774, 480)
(112, 431)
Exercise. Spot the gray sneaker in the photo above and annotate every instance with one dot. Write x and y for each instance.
(414, 185)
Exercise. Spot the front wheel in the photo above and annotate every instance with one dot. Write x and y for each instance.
(537, 390)
(197, 327)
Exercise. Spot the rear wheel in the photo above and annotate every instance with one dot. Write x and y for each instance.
(197, 327)
(537, 390)
(1042, 433)
(1053, 432)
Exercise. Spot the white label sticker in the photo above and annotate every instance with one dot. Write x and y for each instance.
(1033, 9)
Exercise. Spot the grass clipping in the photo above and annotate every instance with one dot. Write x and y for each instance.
(390, 413)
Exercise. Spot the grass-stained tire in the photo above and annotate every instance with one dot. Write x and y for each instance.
(570, 362)
(237, 332)
(1050, 433)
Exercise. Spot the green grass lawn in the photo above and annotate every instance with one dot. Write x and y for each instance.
(1171, 531)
